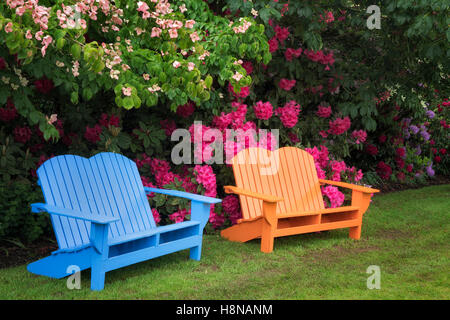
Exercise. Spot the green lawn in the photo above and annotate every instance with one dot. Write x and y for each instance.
(405, 233)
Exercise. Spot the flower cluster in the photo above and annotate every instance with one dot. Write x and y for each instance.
(289, 113)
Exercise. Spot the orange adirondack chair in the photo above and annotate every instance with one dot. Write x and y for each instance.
(280, 195)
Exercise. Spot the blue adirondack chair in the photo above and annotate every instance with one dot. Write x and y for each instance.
(102, 219)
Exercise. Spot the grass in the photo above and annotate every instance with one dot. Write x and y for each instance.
(405, 233)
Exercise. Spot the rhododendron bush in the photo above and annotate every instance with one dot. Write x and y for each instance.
(85, 76)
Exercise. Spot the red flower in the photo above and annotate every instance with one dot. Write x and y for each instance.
(382, 138)
(400, 162)
(9, 112)
(186, 109)
(245, 91)
(293, 137)
(443, 151)
(371, 149)
(401, 152)
(247, 65)
(273, 44)
(44, 85)
(93, 134)
(290, 53)
(400, 176)
(339, 126)
(286, 84)
(2, 64)
(437, 159)
(409, 167)
(384, 170)
(22, 134)
(113, 120)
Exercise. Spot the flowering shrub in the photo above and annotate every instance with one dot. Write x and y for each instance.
(85, 76)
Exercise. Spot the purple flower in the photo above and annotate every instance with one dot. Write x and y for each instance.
(418, 151)
(430, 114)
(414, 129)
(406, 134)
(430, 170)
(425, 135)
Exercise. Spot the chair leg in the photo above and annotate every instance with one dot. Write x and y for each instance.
(267, 237)
(195, 253)
(97, 277)
(355, 232)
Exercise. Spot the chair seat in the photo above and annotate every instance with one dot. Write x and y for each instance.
(151, 232)
(291, 214)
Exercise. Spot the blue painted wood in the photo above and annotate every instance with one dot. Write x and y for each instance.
(102, 219)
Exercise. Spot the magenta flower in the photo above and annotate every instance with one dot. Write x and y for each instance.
(263, 110)
(287, 84)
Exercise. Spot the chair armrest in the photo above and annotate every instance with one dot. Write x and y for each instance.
(349, 186)
(182, 194)
(243, 192)
(71, 213)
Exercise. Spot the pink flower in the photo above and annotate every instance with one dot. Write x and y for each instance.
(289, 113)
(8, 27)
(245, 91)
(205, 176)
(156, 32)
(189, 24)
(281, 33)
(323, 112)
(215, 219)
(194, 36)
(156, 216)
(360, 136)
(126, 91)
(335, 197)
(176, 64)
(339, 126)
(286, 84)
(191, 66)
(290, 53)
(173, 33)
(263, 110)
(179, 215)
(232, 208)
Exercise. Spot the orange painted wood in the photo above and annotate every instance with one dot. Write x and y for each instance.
(280, 195)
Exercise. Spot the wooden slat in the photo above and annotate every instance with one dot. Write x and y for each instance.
(139, 193)
(317, 227)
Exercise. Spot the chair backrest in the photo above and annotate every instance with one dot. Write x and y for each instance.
(287, 172)
(107, 184)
